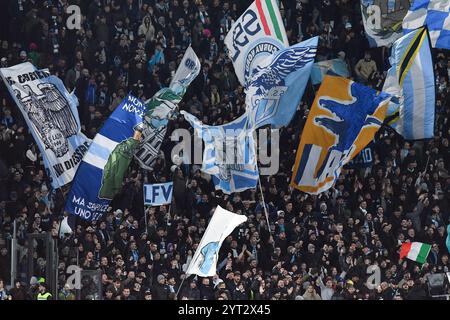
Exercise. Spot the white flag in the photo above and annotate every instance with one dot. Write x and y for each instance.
(205, 258)
(52, 117)
(255, 35)
(187, 71)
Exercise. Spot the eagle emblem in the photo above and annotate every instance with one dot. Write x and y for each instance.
(50, 115)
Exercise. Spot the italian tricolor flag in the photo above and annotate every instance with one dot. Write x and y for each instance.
(270, 18)
(416, 251)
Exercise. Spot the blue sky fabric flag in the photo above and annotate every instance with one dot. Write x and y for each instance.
(335, 66)
(275, 91)
(435, 15)
(229, 155)
(410, 80)
(101, 172)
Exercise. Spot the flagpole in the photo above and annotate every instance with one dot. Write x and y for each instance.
(181, 284)
(262, 198)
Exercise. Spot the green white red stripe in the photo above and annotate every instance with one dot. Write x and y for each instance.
(271, 19)
(416, 251)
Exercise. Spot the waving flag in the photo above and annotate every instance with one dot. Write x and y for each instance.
(229, 154)
(222, 223)
(336, 66)
(275, 91)
(383, 20)
(51, 114)
(161, 107)
(187, 71)
(447, 241)
(102, 170)
(411, 81)
(344, 118)
(416, 251)
(256, 34)
(435, 15)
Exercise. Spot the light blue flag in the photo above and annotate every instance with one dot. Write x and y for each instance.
(447, 242)
(435, 15)
(411, 81)
(335, 66)
(275, 91)
(101, 172)
(229, 155)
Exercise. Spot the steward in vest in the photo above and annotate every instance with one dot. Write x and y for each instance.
(43, 293)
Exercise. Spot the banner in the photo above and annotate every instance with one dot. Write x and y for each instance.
(52, 118)
(335, 66)
(229, 155)
(382, 20)
(187, 71)
(411, 81)
(435, 15)
(158, 194)
(102, 170)
(256, 34)
(161, 107)
(344, 118)
(275, 91)
(221, 225)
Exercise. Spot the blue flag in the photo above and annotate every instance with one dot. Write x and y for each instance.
(447, 242)
(411, 81)
(335, 66)
(100, 174)
(275, 91)
(229, 155)
(435, 14)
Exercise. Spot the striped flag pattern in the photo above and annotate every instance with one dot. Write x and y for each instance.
(256, 34)
(271, 19)
(416, 251)
(411, 81)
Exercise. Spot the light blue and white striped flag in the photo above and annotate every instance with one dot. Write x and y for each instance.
(435, 15)
(411, 80)
(229, 155)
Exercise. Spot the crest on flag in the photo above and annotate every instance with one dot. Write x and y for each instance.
(50, 114)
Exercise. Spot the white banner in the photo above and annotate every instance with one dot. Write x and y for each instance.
(52, 117)
(255, 35)
(158, 194)
(187, 71)
(222, 223)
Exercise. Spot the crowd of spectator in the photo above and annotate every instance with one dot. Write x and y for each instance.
(316, 247)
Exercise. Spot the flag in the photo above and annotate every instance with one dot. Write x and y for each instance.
(435, 15)
(411, 81)
(51, 114)
(447, 241)
(158, 194)
(382, 20)
(335, 66)
(275, 91)
(187, 71)
(343, 119)
(256, 34)
(161, 107)
(222, 223)
(229, 155)
(100, 175)
(416, 251)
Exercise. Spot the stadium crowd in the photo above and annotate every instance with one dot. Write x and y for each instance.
(317, 247)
